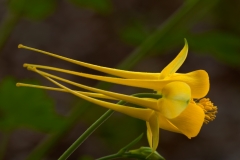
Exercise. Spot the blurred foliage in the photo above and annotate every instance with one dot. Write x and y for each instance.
(135, 33)
(226, 16)
(33, 9)
(220, 44)
(223, 46)
(86, 158)
(26, 107)
(100, 6)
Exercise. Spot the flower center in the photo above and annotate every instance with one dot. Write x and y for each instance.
(209, 109)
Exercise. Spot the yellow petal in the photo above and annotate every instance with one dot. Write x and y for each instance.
(149, 134)
(153, 131)
(176, 63)
(115, 72)
(190, 121)
(143, 114)
(166, 125)
(135, 100)
(129, 82)
(197, 80)
(149, 84)
(175, 98)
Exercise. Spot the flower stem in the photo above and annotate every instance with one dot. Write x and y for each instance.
(97, 123)
(121, 151)
(86, 134)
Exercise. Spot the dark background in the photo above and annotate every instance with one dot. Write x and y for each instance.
(106, 33)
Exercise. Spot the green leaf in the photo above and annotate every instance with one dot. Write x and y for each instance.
(100, 6)
(135, 33)
(33, 9)
(26, 107)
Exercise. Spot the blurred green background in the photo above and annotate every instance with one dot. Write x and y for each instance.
(133, 35)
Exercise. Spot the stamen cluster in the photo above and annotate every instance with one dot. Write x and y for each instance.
(209, 109)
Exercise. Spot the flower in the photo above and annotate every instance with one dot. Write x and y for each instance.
(174, 111)
(175, 96)
(197, 80)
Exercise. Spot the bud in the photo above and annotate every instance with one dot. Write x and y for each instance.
(145, 153)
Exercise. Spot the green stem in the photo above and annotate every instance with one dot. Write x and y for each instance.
(122, 151)
(129, 62)
(86, 134)
(97, 123)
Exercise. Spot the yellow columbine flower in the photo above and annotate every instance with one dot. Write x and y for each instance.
(175, 100)
(174, 111)
(197, 80)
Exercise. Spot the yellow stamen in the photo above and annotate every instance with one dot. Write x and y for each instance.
(90, 94)
(209, 109)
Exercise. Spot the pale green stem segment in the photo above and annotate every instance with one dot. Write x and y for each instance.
(98, 122)
(121, 152)
(154, 39)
